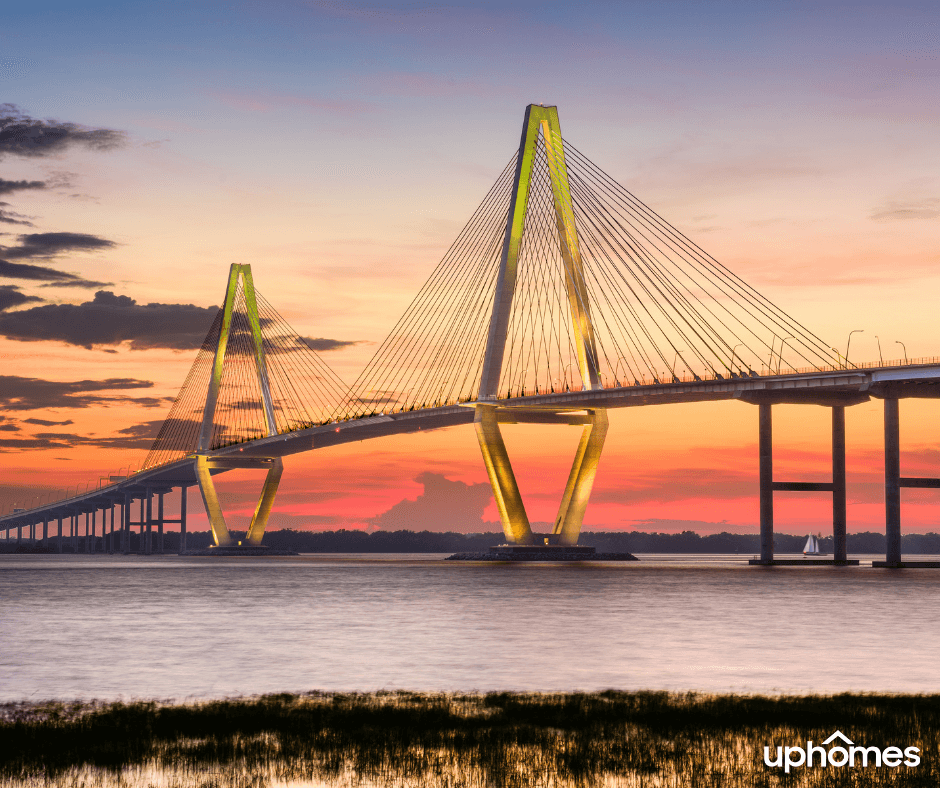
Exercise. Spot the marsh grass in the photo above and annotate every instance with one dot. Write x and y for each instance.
(647, 739)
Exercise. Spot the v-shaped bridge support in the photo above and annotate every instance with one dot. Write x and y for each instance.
(205, 462)
(505, 490)
(489, 413)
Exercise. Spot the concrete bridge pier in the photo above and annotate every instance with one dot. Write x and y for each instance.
(160, 542)
(58, 547)
(892, 482)
(183, 495)
(126, 524)
(839, 508)
(766, 473)
(837, 403)
(892, 393)
(148, 548)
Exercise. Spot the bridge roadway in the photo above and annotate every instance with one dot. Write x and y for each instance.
(833, 388)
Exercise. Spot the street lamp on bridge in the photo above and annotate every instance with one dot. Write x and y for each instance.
(733, 351)
(676, 359)
(780, 354)
(849, 342)
(899, 342)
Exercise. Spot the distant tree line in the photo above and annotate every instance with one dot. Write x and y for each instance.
(345, 541)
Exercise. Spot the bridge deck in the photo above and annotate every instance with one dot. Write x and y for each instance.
(835, 387)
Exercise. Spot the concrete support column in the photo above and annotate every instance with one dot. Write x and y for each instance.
(126, 525)
(19, 533)
(45, 528)
(892, 482)
(183, 490)
(93, 544)
(58, 548)
(87, 535)
(160, 543)
(73, 533)
(32, 532)
(765, 442)
(111, 532)
(839, 515)
(149, 547)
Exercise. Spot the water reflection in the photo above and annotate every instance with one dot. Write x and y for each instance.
(170, 627)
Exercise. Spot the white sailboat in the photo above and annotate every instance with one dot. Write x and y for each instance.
(813, 546)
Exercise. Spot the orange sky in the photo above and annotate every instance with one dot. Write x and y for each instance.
(340, 154)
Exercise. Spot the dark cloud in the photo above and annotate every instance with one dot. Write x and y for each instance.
(180, 435)
(145, 402)
(915, 209)
(42, 273)
(8, 187)
(50, 244)
(241, 341)
(11, 217)
(11, 427)
(444, 505)
(110, 320)
(46, 423)
(22, 135)
(32, 444)
(245, 404)
(323, 345)
(137, 436)
(19, 393)
(79, 282)
(10, 296)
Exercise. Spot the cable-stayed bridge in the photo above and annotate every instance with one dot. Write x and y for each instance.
(563, 296)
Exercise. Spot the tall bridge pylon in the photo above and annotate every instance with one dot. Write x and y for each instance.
(564, 281)
(540, 125)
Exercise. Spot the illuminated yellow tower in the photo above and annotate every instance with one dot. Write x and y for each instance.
(205, 462)
(540, 121)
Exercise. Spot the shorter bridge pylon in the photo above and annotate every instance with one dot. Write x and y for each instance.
(239, 274)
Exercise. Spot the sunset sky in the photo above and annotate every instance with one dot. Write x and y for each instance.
(340, 147)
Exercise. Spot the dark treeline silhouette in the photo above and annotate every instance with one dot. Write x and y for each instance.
(346, 541)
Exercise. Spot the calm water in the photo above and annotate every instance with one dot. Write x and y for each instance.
(169, 627)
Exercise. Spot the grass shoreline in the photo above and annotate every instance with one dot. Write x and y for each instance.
(410, 738)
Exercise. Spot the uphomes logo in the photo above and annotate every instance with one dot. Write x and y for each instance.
(843, 753)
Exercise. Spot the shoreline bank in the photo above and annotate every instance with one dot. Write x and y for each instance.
(495, 738)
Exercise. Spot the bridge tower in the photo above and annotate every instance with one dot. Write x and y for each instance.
(205, 463)
(540, 121)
